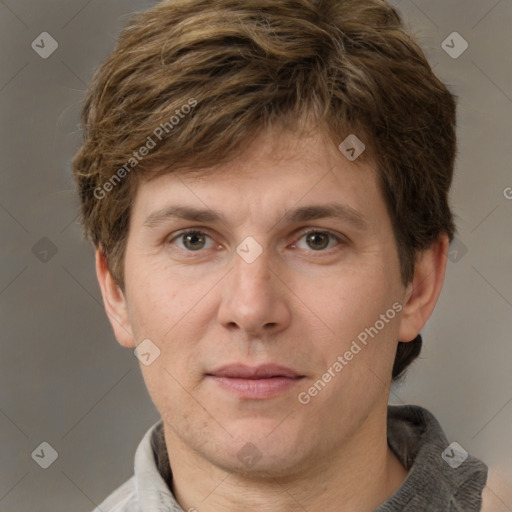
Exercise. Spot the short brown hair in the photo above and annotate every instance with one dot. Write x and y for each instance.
(194, 81)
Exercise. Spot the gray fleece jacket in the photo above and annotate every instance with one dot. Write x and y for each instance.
(442, 477)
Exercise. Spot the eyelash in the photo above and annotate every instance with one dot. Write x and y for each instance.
(302, 235)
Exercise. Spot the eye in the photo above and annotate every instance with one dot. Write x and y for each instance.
(319, 240)
(193, 240)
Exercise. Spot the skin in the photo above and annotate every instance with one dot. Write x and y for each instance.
(301, 303)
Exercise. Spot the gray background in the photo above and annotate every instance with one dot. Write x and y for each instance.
(63, 377)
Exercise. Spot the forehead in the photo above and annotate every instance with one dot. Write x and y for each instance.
(277, 172)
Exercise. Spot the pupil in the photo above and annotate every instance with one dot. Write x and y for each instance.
(314, 238)
(192, 239)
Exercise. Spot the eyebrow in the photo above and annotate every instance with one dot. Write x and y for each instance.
(302, 214)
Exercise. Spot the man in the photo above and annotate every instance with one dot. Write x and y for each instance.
(266, 185)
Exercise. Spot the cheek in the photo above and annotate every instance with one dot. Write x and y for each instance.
(347, 301)
(151, 313)
(159, 298)
(358, 309)
(173, 313)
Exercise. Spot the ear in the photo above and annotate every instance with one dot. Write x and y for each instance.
(424, 290)
(115, 302)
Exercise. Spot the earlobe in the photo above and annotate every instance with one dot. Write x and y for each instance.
(114, 301)
(424, 290)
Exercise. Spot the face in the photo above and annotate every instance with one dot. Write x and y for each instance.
(271, 287)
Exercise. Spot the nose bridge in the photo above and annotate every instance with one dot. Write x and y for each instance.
(251, 268)
(252, 301)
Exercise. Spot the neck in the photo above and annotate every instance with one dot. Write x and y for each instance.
(361, 473)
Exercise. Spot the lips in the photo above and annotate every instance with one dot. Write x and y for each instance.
(255, 382)
(266, 371)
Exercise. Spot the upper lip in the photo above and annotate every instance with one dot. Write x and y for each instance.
(242, 371)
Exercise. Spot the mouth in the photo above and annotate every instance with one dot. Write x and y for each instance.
(260, 382)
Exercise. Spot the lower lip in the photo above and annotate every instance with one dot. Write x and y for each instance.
(257, 388)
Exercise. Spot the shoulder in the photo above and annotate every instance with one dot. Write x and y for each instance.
(137, 493)
(441, 475)
(123, 499)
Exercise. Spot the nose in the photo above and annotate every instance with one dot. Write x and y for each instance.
(255, 302)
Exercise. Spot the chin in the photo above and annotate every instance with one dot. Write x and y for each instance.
(263, 448)
(255, 463)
